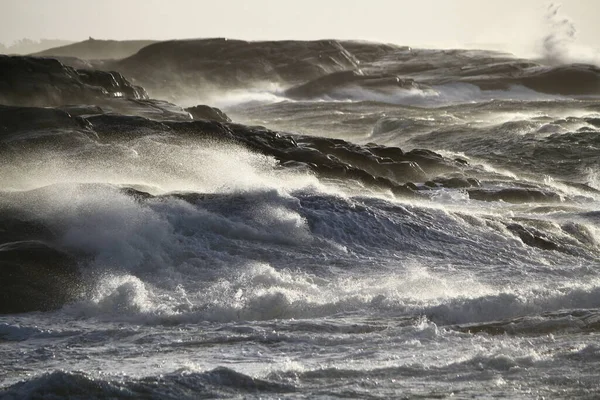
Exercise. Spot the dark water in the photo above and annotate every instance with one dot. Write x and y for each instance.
(376, 222)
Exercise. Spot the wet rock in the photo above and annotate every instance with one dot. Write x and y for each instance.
(514, 195)
(35, 276)
(182, 68)
(31, 81)
(532, 237)
(403, 171)
(14, 227)
(593, 121)
(574, 79)
(18, 119)
(395, 153)
(340, 85)
(332, 158)
(553, 322)
(79, 110)
(209, 113)
(456, 182)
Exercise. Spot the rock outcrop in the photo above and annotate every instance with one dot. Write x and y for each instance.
(43, 82)
(36, 276)
(207, 112)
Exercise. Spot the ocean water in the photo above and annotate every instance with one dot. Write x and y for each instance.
(212, 269)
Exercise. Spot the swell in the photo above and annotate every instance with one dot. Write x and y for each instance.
(225, 256)
(184, 384)
(176, 154)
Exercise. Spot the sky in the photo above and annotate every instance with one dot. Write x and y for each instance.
(435, 23)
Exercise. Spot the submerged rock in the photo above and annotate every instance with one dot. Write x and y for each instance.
(454, 182)
(19, 119)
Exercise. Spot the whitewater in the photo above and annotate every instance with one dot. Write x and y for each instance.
(358, 220)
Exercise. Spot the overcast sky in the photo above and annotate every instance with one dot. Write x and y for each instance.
(443, 23)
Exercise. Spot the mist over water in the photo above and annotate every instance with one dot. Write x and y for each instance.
(560, 44)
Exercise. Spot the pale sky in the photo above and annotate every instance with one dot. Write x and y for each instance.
(441, 23)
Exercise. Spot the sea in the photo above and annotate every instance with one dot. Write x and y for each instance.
(424, 224)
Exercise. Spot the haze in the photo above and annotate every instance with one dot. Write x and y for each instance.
(511, 24)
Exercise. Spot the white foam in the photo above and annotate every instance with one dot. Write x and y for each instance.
(520, 302)
(203, 167)
(437, 96)
(258, 291)
(259, 92)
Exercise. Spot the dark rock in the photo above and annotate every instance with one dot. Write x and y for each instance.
(34, 276)
(18, 228)
(31, 128)
(552, 322)
(138, 195)
(395, 153)
(532, 237)
(514, 195)
(474, 182)
(432, 163)
(456, 182)
(182, 68)
(209, 113)
(157, 110)
(412, 186)
(333, 85)
(593, 121)
(82, 110)
(331, 158)
(18, 119)
(109, 127)
(575, 79)
(402, 171)
(111, 83)
(30, 81)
